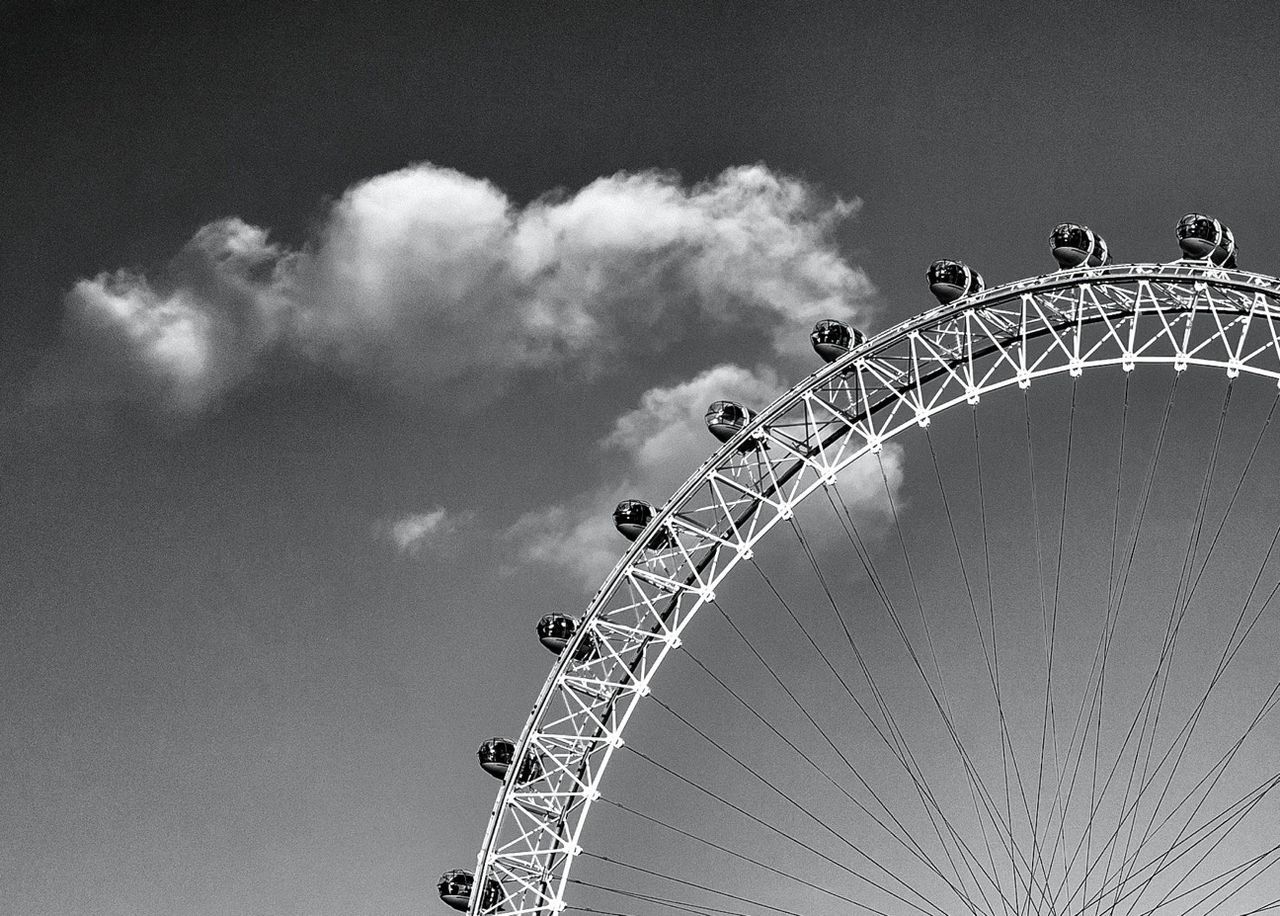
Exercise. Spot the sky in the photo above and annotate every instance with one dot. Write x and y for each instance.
(334, 331)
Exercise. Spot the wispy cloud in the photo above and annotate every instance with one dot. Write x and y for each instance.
(651, 450)
(430, 280)
(425, 277)
(418, 533)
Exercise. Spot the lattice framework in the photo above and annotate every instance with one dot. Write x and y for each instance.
(1188, 313)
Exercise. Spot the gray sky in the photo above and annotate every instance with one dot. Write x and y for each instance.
(333, 329)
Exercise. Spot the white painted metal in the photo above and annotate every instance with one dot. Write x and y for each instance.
(1187, 313)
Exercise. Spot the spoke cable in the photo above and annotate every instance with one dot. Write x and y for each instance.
(1223, 762)
(1093, 698)
(891, 745)
(969, 769)
(924, 623)
(747, 814)
(1172, 629)
(1006, 738)
(801, 808)
(900, 746)
(977, 625)
(684, 906)
(1228, 650)
(1224, 877)
(1225, 821)
(692, 884)
(850, 529)
(1050, 717)
(1220, 766)
(1111, 574)
(904, 838)
(737, 855)
(1036, 853)
(1109, 625)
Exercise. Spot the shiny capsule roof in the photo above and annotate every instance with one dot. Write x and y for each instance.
(1197, 225)
(1071, 234)
(946, 270)
(832, 330)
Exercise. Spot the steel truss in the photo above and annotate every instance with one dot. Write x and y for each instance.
(1187, 313)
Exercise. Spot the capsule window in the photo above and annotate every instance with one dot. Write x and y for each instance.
(948, 272)
(1068, 235)
(1196, 226)
(831, 331)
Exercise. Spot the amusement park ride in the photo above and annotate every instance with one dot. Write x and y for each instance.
(1201, 311)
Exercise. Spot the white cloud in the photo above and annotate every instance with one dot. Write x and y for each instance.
(652, 449)
(425, 277)
(429, 280)
(578, 538)
(663, 439)
(416, 533)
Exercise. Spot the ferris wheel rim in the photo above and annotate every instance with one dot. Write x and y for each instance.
(1184, 273)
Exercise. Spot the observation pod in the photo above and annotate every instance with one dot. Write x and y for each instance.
(832, 339)
(1204, 238)
(456, 886)
(632, 516)
(1074, 245)
(496, 756)
(555, 631)
(952, 280)
(725, 419)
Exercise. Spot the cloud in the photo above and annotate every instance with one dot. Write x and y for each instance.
(579, 539)
(179, 345)
(426, 277)
(665, 437)
(651, 450)
(416, 533)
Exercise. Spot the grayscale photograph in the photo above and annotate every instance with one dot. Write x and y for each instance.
(639, 458)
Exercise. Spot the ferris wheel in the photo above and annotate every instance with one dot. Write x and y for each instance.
(988, 625)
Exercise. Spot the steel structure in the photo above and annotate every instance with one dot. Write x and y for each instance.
(1186, 313)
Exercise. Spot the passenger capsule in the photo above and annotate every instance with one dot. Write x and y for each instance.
(952, 280)
(1204, 238)
(725, 419)
(631, 517)
(496, 756)
(455, 889)
(832, 339)
(555, 631)
(1074, 245)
